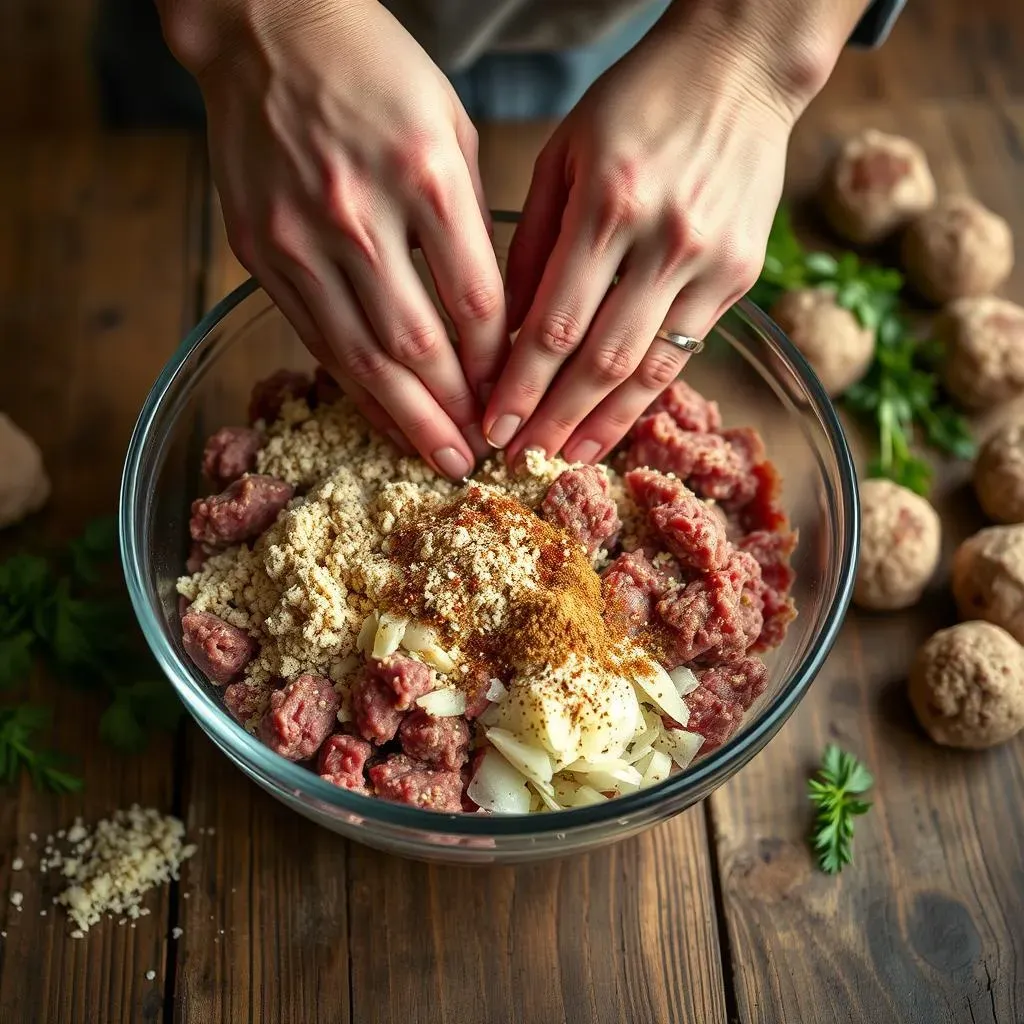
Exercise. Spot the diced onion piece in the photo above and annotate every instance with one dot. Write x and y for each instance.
(444, 703)
(608, 782)
(496, 691)
(686, 682)
(658, 767)
(388, 638)
(683, 745)
(662, 693)
(344, 714)
(547, 794)
(364, 642)
(572, 794)
(638, 753)
(498, 787)
(612, 768)
(533, 762)
(423, 640)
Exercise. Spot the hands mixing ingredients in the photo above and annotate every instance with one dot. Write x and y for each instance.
(337, 145)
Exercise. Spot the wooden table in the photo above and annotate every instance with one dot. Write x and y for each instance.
(109, 249)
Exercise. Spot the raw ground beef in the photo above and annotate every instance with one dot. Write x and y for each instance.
(741, 683)
(219, 650)
(385, 692)
(711, 717)
(300, 717)
(239, 513)
(407, 781)
(246, 700)
(690, 409)
(342, 759)
(230, 453)
(439, 742)
(579, 502)
(773, 552)
(270, 394)
(631, 585)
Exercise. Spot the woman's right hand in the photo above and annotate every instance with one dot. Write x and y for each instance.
(337, 145)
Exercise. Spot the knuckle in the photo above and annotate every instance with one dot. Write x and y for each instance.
(559, 334)
(682, 243)
(659, 368)
(480, 302)
(414, 342)
(366, 365)
(612, 364)
(424, 170)
(624, 195)
(345, 202)
(282, 229)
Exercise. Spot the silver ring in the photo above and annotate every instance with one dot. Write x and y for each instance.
(692, 345)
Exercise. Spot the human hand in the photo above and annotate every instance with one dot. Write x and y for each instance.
(666, 175)
(336, 145)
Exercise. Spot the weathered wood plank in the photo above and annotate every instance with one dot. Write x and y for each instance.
(94, 259)
(924, 926)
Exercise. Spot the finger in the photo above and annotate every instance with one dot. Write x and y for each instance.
(617, 341)
(335, 309)
(536, 233)
(460, 254)
(693, 313)
(469, 142)
(409, 328)
(287, 298)
(574, 283)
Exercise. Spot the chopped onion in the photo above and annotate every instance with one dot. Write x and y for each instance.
(572, 794)
(639, 752)
(686, 682)
(662, 692)
(423, 640)
(498, 787)
(496, 691)
(364, 642)
(444, 703)
(613, 768)
(658, 767)
(547, 794)
(388, 637)
(489, 716)
(344, 714)
(683, 745)
(533, 762)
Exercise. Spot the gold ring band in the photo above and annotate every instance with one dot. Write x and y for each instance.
(683, 341)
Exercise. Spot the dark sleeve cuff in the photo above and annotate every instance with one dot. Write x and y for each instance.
(876, 23)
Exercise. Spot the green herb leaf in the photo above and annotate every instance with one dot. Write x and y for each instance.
(96, 547)
(138, 709)
(15, 658)
(840, 780)
(17, 752)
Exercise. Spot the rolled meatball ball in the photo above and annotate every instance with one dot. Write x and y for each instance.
(999, 474)
(876, 185)
(983, 341)
(957, 248)
(24, 485)
(967, 686)
(988, 578)
(830, 337)
(900, 543)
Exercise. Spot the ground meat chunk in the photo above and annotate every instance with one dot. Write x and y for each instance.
(764, 511)
(579, 502)
(711, 717)
(690, 409)
(716, 617)
(773, 552)
(300, 717)
(242, 511)
(630, 586)
(247, 701)
(407, 781)
(777, 613)
(706, 462)
(384, 693)
(341, 761)
(219, 650)
(269, 394)
(439, 742)
(230, 453)
(740, 683)
(649, 488)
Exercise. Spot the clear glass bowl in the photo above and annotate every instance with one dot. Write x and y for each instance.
(749, 367)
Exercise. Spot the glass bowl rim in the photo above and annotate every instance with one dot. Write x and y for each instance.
(243, 747)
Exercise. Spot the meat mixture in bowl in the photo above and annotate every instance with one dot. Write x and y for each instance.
(537, 638)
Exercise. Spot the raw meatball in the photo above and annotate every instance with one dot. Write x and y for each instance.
(983, 340)
(956, 249)
(988, 578)
(900, 544)
(877, 183)
(999, 474)
(967, 686)
(24, 485)
(830, 338)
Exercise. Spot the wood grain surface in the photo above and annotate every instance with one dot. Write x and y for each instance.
(109, 247)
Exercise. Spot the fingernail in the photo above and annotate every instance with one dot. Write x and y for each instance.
(504, 430)
(398, 439)
(451, 462)
(475, 438)
(585, 451)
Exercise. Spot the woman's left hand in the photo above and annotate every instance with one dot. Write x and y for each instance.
(666, 176)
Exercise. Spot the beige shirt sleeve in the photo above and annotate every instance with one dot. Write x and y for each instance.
(457, 32)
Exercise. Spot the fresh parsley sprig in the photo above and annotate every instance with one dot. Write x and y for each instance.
(900, 395)
(72, 611)
(836, 793)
